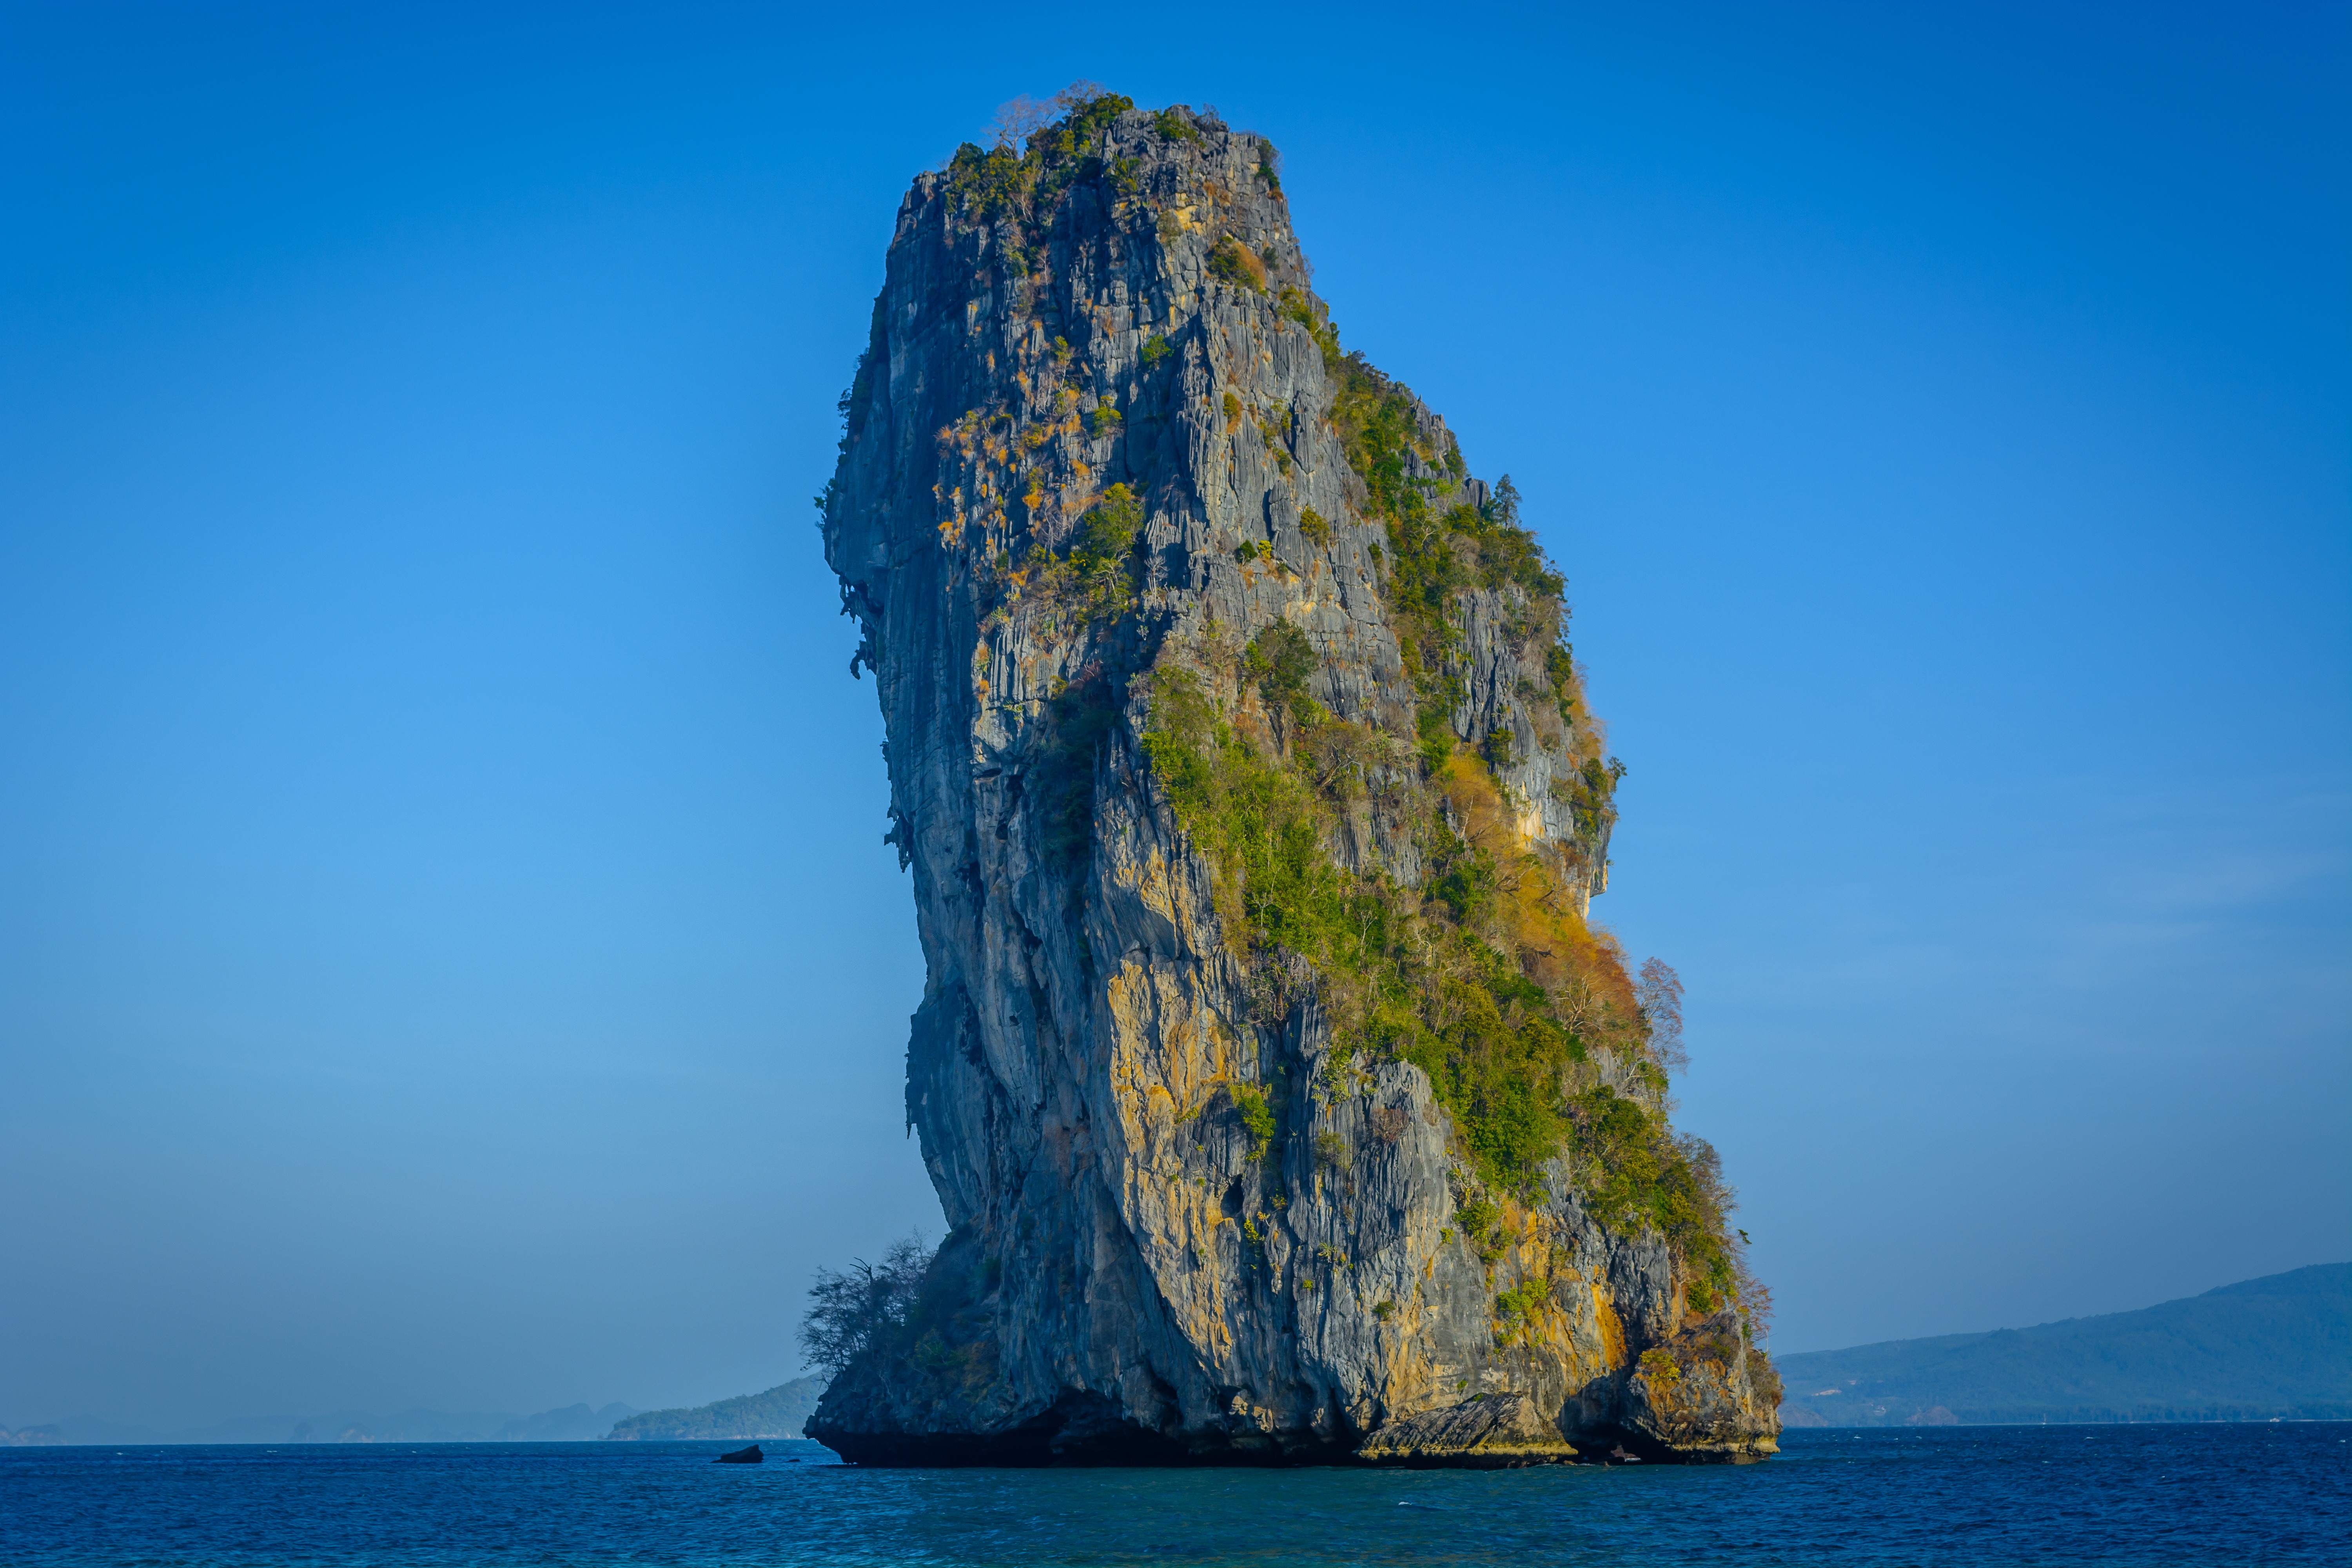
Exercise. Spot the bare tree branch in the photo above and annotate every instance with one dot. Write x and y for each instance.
(1659, 991)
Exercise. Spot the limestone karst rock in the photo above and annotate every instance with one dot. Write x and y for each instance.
(1276, 1093)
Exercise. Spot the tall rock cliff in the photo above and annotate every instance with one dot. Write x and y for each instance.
(1282, 1103)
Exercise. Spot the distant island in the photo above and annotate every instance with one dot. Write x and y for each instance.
(573, 1424)
(2277, 1348)
(778, 1412)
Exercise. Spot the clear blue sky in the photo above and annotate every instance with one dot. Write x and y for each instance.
(447, 955)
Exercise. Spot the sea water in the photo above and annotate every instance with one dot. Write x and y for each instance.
(2054, 1495)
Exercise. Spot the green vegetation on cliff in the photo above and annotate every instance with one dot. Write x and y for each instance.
(1487, 976)
(1490, 983)
(1032, 161)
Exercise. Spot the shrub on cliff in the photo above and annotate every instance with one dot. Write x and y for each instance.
(1257, 1116)
(1280, 659)
(1099, 569)
(1236, 263)
(864, 1304)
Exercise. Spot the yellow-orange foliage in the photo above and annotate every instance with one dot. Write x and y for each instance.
(1536, 917)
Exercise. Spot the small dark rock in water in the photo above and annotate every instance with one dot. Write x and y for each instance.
(750, 1456)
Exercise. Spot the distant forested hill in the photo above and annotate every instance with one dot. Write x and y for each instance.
(2278, 1346)
(775, 1413)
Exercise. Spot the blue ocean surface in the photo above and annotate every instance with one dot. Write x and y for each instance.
(2204, 1494)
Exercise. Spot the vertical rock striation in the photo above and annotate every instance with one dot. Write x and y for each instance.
(1281, 1103)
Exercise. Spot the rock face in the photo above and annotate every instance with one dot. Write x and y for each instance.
(1226, 1184)
(1488, 1431)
